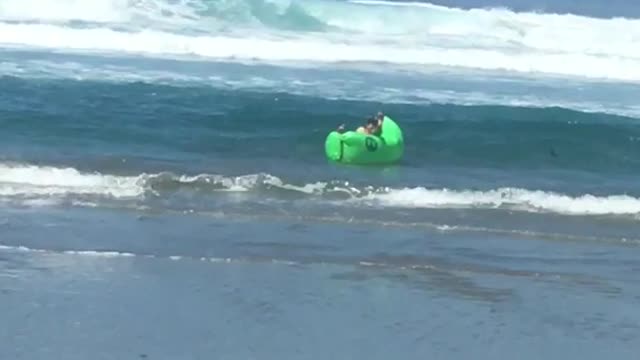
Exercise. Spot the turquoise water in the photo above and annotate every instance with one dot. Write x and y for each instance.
(164, 192)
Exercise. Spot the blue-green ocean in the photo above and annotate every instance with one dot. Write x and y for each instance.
(164, 192)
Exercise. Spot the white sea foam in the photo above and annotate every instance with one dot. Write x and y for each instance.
(137, 13)
(561, 45)
(64, 10)
(30, 180)
(319, 50)
(510, 198)
(45, 182)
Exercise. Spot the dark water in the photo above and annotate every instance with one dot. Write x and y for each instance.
(201, 124)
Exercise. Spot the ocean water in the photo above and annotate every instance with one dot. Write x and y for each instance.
(164, 192)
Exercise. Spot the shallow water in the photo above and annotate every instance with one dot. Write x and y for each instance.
(166, 286)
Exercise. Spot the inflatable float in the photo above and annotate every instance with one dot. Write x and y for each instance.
(352, 147)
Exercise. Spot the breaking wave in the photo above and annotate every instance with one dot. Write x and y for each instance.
(331, 32)
(37, 182)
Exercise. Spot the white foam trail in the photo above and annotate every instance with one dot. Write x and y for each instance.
(29, 180)
(92, 253)
(123, 254)
(247, 182)
(512, 198)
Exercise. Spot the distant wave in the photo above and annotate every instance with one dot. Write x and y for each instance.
(314, 31)
(423, 89)
(40, 182)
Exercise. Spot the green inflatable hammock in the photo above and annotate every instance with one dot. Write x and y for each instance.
(352, 147)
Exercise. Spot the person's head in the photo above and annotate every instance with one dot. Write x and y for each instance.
(372, 125)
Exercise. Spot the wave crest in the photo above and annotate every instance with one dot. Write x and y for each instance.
(41, 183)
(369, 32)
